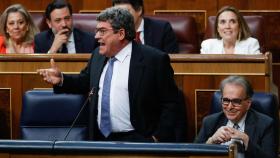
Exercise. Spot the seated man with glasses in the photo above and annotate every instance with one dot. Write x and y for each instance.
(239, 121)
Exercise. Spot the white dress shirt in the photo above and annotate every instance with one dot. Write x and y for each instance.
(119, 97)
(71, 44)
(141, 30)
(241, 125)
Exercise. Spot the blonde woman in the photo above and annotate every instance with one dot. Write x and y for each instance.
(17, 31)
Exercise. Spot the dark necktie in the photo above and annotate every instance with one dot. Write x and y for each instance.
(137, 38)
(64, 48)
(105, 121)
(236, 126)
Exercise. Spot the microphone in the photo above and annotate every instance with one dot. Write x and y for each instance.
(239, 146)
(92, 92)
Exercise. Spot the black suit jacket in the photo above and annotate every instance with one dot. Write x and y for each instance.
(153, 94)
(84, 41)
(258, 127)
(159, 34)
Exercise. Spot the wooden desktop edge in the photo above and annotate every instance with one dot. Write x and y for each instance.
(174, 57)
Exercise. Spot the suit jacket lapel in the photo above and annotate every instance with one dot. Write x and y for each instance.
(96, 68)
(135, 72)
(49, 42)
(221, 122)
(147, 32)
(77, 40)
(250, 124)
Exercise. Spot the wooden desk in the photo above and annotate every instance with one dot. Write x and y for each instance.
(197, 75)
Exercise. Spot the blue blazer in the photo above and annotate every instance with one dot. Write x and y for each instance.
(84, 41)
(153, 94)
(159, 34)
(258, 127)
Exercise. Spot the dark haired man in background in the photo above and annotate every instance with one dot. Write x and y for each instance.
(156, 33)
(62, 37)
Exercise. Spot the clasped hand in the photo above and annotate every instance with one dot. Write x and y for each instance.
(225, 134)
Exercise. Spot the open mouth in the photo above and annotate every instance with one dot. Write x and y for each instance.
(101, 43)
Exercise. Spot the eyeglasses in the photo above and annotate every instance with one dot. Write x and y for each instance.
(102, 31)
(235, 102)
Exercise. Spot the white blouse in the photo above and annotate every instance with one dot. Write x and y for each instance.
(215, 46)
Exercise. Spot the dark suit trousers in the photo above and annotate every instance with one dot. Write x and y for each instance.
(131, 136)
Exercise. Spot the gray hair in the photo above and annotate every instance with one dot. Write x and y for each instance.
(238, 80)
(119, 18)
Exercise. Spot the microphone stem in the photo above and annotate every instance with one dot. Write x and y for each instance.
(79, 113)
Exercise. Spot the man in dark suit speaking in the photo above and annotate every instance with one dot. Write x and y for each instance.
(62, 37)
(134, 92)
(239, 121)
(155, 33)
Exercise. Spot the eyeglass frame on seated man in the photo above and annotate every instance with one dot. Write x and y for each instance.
(236, 102)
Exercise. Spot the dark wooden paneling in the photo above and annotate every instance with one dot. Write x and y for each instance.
(192, 84)
(96, 4)
(202, 106)
(39, 4)
(31, 5)
(276, 76)
(240, 4)
(150, 5)
(4, 4)
(251, 4)
(209, 5)
(30, 82)
(13, 82)
(5, 113)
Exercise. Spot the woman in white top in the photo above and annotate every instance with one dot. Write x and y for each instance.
(232, 35)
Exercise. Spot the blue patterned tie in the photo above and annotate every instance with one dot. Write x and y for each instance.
(105, 121)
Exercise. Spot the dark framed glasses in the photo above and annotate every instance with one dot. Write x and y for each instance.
(102, 31)
(236, 102)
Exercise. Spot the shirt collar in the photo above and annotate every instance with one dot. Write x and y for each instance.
(123, 53)
(141, 26)
(241, 123)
